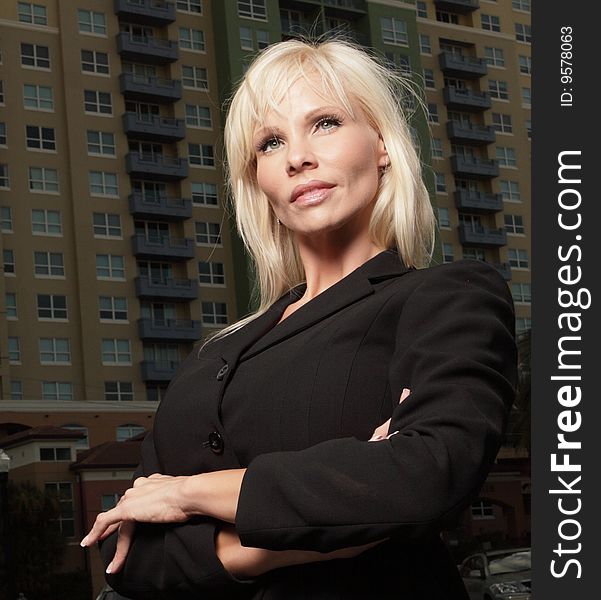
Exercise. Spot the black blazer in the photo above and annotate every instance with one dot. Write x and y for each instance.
(302, 399)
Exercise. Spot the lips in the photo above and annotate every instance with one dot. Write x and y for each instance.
(309, 188)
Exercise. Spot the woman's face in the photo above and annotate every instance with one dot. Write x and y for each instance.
(318, 166)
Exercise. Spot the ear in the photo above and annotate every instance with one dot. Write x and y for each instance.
(382, 153)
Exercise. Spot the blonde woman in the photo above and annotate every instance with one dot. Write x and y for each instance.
(317, 448)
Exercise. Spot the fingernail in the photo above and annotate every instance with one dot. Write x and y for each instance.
(109, 568)
(84, 542)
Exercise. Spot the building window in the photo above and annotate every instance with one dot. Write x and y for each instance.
(433, 113)
(214, 313)
(3, 134)
(8, 257)
(518, 258)
(10, 303)
(108, 501)
(91, 22)
(528, 125)
(394, 31)
(55, 454)
(514, 224)
(191, 39)
(38, 97)
(32, 13)
(510, 190)
(525, 64)
(494, 57)
(55, 351)
(112, 308)
(526, 96)
(498, 89)
(94, 62)
(441, 184)
(521, 5)
(198, 116)
(1, 93)
(191, 6)
(490, 22)
(246, 38)
(4, 180)
(506, 157)
(262, 39)
(522, 325)
(208, 234)
(436, 148)
(100, 143)
(125, 432)
(523, 33)
(43, 180)
(116, 352)
(201, 154)
(211, 273)
(483, 509)
(448, 255)
(155, 392)
(6, 219)
(444, 219)
(474, 254)
(51, 306)
(98, 102)
(447, 17)
(429, 79)
(40, 138)
(82, 442)
(521, 292)
(195, 77)
(421, 9)
(501, 123)
(204, 194)
(48, 264)
(57, 390)
(36, 56)
(252, 9)
(16, 390)
(14, 350)
(425, 45)
(46, 222)
(118, 391)
(110, 266)
(63, 490)
(106, 225)
(103, 184)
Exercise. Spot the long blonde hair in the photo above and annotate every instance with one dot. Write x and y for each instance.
(402, 217)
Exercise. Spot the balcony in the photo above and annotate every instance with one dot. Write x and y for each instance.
(153, 127)
(150, 89)
(162, 247)
(182, 290)
(148, 49)
(146, 12)
(466, 133)
(169, 209)
(154, 370)
(474, 235)
(464, 99)
(457, 6)
(169, 330)
(345, 9)
(156, 166)
(478, 202)
(504, 269)
(477, 168)
(455, 65)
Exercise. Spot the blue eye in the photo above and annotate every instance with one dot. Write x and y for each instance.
(328, 123)
(269, 145)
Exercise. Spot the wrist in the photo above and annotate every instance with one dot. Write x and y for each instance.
(191, 495)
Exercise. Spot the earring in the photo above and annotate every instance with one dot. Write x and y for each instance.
(385, 168)
(278, 220)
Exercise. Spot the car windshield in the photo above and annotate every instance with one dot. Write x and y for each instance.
(509, 563)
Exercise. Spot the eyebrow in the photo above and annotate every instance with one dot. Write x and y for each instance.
(310, 116)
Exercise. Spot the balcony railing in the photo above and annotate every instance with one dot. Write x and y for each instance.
(169, 329)
(466, 133)
(478, 168)
(162, 247)
(478, 202)
(347, 7)
(147, 12)
(156, 166)
(456, 65)
(147, 49)
(182, 290)
(171, 209)
(474, 235)
(504, 269)
(153, 127)
(153, 370)
(154, 89)
(464, 99)
(457, 6)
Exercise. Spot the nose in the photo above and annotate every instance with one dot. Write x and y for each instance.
(300, 157)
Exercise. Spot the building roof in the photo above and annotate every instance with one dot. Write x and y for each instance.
(109, 455)
(44, 432)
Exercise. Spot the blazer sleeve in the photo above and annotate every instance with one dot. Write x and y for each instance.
(455, 351)
(170, 561)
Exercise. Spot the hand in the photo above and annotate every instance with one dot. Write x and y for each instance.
(381, 433)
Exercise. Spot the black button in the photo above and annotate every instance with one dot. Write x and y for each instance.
(222, 372)
(215, 442)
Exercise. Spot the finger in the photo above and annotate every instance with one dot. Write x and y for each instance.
(140, 481)
(404, 394)
(103, 521)
(109, 531)
(126, 532)
(158, 476)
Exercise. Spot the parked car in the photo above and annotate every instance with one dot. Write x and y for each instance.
(498, 575)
